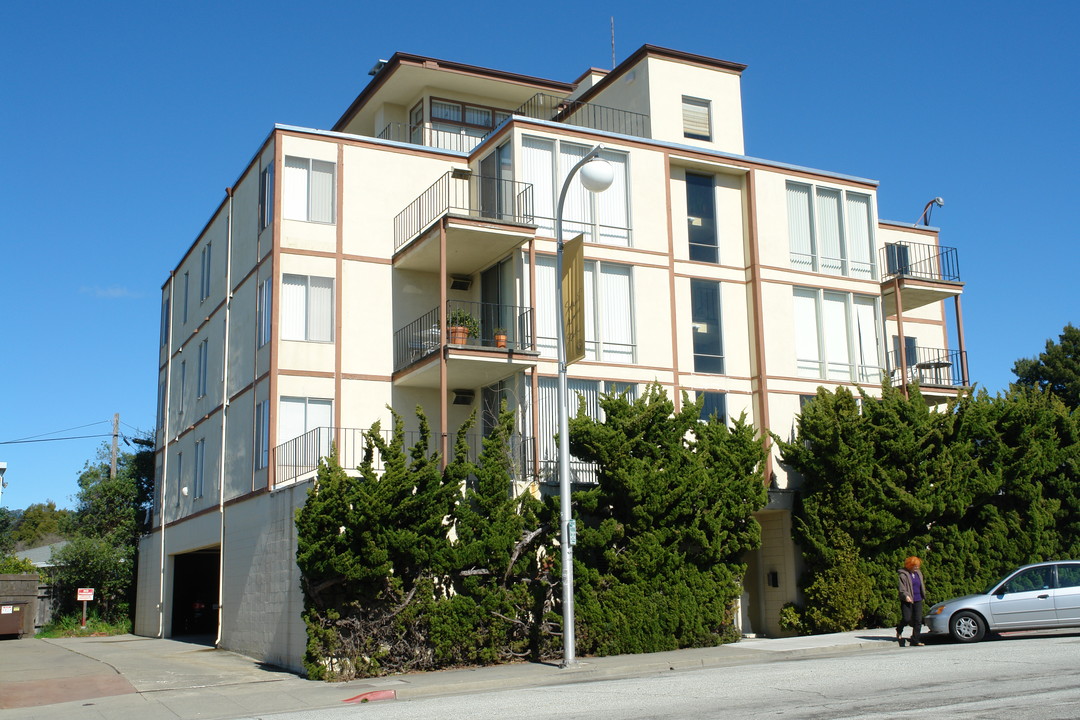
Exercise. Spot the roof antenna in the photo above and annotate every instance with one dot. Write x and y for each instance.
(612, 42)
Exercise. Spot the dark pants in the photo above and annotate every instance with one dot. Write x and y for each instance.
(911, 616)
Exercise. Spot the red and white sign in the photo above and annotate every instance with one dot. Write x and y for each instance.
(85, 594)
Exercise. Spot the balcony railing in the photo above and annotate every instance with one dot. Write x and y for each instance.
(919, 260)
(930, 367)
(457, 193)
(425, 134)
(298, 459)
(421, 337)
(584, 114)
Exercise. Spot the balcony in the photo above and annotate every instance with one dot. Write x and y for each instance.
(486, 219)
(922, 273)
(584, 114)
(481, 359)
(297, 460)
(425, 134)
(934, 369)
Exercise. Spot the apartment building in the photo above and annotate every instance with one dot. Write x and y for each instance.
(325, 287)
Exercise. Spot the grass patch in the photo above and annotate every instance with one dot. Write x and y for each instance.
(70, 626)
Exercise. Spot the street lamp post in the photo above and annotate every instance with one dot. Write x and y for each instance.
(597, 176)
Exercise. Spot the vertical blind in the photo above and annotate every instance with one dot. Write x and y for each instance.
(857, 218)
(807, 352)
(827, 210)
(799, 224)
(695, 112)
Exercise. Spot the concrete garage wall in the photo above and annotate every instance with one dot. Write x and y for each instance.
(262, 600)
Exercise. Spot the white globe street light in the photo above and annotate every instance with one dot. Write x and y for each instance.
(596, 176)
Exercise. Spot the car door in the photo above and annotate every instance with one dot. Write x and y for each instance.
(1067, 595)
(1025, 600)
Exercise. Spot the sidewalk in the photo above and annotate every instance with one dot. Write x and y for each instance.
(133, 678)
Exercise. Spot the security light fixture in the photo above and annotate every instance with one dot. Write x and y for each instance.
(925, 217)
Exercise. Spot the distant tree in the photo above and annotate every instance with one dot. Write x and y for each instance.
(41, 524)
(9, 520)
(110, 515)
(1057, 369)
(11, 565)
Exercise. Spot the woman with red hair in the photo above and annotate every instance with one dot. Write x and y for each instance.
(912, 591)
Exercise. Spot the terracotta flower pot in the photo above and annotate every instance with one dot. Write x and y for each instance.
(459, 334)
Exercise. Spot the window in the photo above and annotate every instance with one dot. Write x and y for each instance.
(179, 476)
(262, 312)
(696, 117)
(308, 189)
(187, 282)
(714, 404)
(836, 336)
(307, 308)
(609, 310)
(829, 230)
(204, 360)
(183, 385)
(298, 416)
(200, 468)
(1036, 578)
(602, 217)
(705, 311)
(701, 218)
(204, 281)
(266, 197)
(262, 434)
(164, 320)
(1068, 576)
(161, 406)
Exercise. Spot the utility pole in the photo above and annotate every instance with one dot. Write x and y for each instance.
(115, 444)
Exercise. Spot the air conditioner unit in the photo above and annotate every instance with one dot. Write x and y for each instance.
(464, 397)
(460, 282)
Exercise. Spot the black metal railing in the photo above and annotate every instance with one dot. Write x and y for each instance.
(930, 367)
(425, 134)
(462, 193)
(298, 459)
(584, 114)
(919, 260)
(483, 321)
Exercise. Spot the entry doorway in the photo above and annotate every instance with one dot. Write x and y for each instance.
(195, 592)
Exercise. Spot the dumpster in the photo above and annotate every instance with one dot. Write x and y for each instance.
(13, 618)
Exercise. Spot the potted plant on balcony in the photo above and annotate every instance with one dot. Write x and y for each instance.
(462, 326)
(500, 337)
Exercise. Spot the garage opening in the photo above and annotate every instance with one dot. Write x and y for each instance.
(195, 593)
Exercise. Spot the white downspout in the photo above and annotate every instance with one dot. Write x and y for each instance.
(224, 417)
(165, 458)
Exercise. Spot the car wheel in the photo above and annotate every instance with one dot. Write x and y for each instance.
(967, 627)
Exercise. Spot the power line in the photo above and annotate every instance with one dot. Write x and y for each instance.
(73, 437)
(54, 432)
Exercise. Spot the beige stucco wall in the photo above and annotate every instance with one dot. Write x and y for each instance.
(668, 81)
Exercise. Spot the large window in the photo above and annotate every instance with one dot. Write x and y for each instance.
(164, 320)
(830, 230)
(183, 385)
(308, 190)
(263, 316)
(204, 361)
(300, 415)
(701, 218)
(713, 404)
(307, 308)
(708, 340)
(603, 217)
(836, 336)
(266, 197)
(200, 468)
(696, 115)
(609, 310)
(183, 312)
(204, 278)
(262, 434)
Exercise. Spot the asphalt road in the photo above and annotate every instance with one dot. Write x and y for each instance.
(1031, 676)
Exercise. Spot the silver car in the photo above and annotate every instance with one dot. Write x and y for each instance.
(1043, 595)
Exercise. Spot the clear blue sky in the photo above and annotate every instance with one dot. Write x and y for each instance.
(122, 123)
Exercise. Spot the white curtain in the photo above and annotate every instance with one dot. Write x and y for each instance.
(835, 331)
(291, 415)
(322, 191)
(294, 191)
(799, 233)
(859, 243)
(827, 207)
(866, 339)
(612, 211)
(547, 310)
(807, 353)
(577, 209)
(293, 307)
(592, 344)
(320, 309)
(538, 161)
(616, 313)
